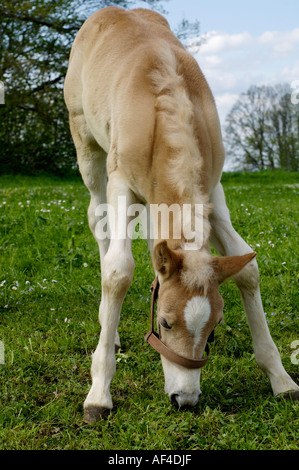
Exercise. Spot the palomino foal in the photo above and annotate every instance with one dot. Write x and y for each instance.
(146, 129)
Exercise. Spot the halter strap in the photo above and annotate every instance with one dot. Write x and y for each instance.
(153, 339)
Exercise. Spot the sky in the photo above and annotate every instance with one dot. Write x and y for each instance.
(246, 43)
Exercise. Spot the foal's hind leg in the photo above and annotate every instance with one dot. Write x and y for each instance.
(228, 242)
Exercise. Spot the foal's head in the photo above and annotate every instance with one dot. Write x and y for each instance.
(189, 307)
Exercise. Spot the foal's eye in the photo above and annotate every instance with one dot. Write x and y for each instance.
(164, 324)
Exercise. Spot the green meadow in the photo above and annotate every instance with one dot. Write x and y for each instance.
(49, 295)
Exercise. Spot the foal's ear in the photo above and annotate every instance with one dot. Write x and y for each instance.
(228, 266)
(165, 260)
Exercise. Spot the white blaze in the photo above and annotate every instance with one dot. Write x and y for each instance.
(197, 313)
(180, 381)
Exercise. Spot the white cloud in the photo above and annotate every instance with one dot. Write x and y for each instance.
(274, 37)
(217, 42)
(234, 62)
(290, 73)
(224, 103)
(213, 60)
(280, 43)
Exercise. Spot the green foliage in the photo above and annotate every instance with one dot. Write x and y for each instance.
(262, 129)
(35, 42)
(49, 297)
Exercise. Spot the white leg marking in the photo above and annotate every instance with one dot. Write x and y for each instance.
(117, 274)
(228, 242)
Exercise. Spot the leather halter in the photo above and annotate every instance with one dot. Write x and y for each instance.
(153, 339)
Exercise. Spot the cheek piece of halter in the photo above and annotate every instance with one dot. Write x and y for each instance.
(153, 339)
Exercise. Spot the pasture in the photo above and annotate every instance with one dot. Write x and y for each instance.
(49, 297)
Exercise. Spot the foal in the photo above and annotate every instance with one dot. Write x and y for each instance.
(146, 129)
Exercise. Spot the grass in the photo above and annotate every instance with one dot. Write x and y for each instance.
(49, 296)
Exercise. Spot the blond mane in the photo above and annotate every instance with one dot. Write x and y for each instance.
(175, 121)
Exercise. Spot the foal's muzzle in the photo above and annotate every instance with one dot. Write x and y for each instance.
(184, 399)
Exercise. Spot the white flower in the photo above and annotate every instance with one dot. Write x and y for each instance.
(85, 265)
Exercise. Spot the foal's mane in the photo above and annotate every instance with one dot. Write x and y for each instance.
(176, 131)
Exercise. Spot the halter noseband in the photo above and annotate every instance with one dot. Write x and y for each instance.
(153, 339)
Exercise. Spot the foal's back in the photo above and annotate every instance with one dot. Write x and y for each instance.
(120, 63)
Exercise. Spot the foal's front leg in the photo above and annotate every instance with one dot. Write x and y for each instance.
(228, 242)
(117, 274)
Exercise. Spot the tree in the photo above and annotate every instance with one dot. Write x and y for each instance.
(262, 129)
(35, 41)
(284, 129)
(35, 38)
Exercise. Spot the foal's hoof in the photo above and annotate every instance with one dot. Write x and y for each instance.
(291, 395)
(92, 414)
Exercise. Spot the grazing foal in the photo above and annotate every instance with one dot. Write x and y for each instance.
(146, 130)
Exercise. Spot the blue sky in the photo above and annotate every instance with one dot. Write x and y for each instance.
(246, 43)
(235, 16)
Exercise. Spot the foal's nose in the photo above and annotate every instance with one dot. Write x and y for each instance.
(184, 399)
